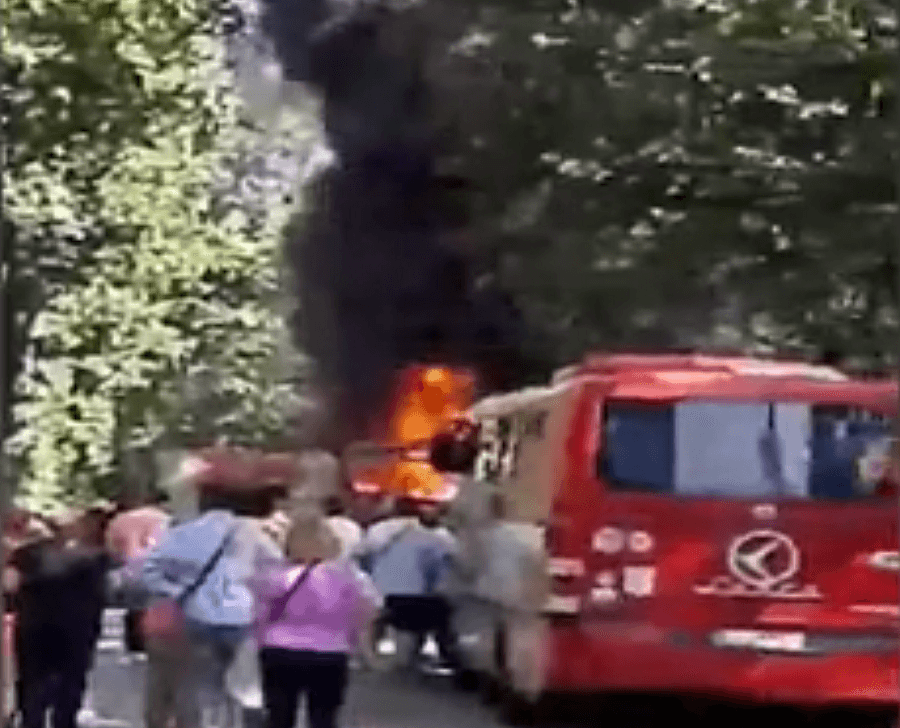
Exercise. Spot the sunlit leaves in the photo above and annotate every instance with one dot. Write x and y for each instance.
(153, 285)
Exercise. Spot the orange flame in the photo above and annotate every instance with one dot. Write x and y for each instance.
(428, 400)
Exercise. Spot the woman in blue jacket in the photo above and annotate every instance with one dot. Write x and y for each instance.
(211, 557)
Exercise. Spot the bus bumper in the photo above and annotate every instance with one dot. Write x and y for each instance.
(647, 659)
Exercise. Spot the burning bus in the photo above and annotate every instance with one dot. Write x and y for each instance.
(425, 402)
(704, 526)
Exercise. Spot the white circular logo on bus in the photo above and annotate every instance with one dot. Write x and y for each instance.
(609, 540)
(763, 559)
(640, 542)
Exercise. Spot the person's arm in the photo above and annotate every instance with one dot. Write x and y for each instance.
(371, 599)
(26, 562)
(260, 588)
(12, 580)
(369, 605)
(101, 567)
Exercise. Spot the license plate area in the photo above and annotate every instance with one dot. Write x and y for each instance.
(760, 640)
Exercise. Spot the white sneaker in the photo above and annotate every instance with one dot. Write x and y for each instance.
(87, 718)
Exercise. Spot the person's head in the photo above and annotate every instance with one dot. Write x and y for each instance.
(455, 451)
(276, 526)
(333, 505)
(407, 507)
(430, 514)
(310, 539)
(90, 528)
(156, 497)
(32, 532)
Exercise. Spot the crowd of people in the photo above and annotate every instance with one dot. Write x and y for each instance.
(238, 616)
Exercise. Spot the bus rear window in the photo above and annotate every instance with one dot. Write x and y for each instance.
(741, 450)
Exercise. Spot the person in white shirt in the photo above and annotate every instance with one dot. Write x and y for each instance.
(348, 531)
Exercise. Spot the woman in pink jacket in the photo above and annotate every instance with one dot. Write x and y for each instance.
(311, 611)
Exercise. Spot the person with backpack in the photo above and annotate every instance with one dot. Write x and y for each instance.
(310, 612)
(201, 611)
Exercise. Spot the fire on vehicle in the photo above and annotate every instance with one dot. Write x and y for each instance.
(427, 400)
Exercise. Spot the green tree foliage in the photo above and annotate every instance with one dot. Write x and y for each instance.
(647, 166)
(642, 168)
(152, 280)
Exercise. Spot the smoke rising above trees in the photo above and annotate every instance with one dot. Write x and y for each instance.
(382, 284)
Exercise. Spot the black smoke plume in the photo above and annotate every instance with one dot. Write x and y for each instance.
(381, 283)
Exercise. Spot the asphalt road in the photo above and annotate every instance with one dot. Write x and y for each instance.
(402, 700)
(374, 700)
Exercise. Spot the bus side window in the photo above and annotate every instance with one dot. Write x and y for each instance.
(830, 476)
(637, 453)
(499, 450)
(838, 443)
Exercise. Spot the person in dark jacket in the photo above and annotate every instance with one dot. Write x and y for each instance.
(59, 602)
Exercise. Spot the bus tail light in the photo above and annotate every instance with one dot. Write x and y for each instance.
(562, 605)
(563, 568)
(564, 575)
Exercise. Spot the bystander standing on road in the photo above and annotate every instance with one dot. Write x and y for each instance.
(264, 541)
(201, 569)
(310, 613)
(407, 561)
(129, 536)
(22, 530)
(433, 608)
(61, 591)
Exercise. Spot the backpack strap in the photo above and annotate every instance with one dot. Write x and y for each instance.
(207, 568)
(278, 608)
(372, 557)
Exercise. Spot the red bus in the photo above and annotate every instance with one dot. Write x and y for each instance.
(684, 524)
